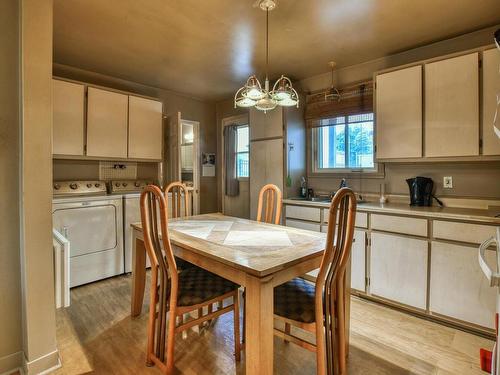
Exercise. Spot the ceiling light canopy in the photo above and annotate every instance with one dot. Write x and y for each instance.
(253, 95)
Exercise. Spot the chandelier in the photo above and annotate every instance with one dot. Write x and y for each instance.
(263, 99)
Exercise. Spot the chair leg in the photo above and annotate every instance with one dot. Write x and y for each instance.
(200, 314)
(236, 311)
(341, 328)
(287, 331)
(152, 320)
(244, 316)
(169, 369)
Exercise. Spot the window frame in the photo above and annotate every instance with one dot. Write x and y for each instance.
(376, 172)
(244, 178)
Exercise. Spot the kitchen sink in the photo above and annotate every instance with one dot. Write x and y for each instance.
(314, 199)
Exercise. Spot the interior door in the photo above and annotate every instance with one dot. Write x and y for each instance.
(189, 159)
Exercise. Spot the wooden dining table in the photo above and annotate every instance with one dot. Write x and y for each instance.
(255, 255)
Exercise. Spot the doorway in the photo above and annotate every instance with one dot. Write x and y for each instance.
(189, 159)
(238, 206)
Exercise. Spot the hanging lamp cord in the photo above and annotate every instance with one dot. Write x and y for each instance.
(267, 42)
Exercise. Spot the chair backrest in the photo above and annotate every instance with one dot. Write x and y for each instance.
(270, 202)
(178, 193)
(163, 266)
(332, 271)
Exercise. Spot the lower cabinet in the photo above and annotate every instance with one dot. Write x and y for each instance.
(398, 269)
(458, 288)
(358, 261)
(303, 225)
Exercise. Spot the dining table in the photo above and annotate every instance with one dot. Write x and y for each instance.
(258, 256)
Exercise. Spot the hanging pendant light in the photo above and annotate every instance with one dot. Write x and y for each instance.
(253, 95)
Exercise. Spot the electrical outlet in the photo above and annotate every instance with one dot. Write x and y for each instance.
(448, 182)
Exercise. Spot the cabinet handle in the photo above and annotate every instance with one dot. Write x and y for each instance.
(493, 277)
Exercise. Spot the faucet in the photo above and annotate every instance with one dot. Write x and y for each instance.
(343, 183)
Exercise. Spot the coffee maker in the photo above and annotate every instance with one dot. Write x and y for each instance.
(421, 191)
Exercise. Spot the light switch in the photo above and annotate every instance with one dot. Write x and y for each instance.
(448, 182)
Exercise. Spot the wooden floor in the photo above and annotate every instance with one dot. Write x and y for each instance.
(96, 335)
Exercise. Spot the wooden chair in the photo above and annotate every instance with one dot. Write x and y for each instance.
(177, 293)
(270, 201)
(320, 307)
(178, 193)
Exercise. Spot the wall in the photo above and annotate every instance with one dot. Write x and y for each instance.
(89, 170)
(10, 278)
(191, 109)
(479, 180)
(37, 275)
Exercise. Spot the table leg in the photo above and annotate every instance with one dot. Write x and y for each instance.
(259, 333)
(138, 275)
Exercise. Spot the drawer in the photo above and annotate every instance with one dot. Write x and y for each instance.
(472, 233)
(399, 224)
(303, 213)
(361, 218)
(303, 225)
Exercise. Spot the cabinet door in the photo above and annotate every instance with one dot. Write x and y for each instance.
(398, 269)
(452, 107)
(107, 114)
(491, 88)
(266, 125)
(399, 113)
(144, 128)
(458, 288)
(68, 122)
(358, 261)
(266, 167)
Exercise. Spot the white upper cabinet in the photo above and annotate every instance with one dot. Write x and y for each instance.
(399, 113)
(452, 107)
(491, 88)
(107, 115)
(266, 125)
(145, 129)
(68, 135)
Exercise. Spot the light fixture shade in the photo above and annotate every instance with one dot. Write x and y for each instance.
(284, 93)
(240, 100)
(266, 104)
(253, 89)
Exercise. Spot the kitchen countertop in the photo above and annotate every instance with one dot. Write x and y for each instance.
(456, 213)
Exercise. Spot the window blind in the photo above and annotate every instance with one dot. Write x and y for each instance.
(354, 100)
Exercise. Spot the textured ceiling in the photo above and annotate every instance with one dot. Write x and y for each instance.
(207, 48)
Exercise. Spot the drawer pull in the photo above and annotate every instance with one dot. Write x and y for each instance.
(493, 277)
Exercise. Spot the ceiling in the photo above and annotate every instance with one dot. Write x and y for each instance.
(207, 49)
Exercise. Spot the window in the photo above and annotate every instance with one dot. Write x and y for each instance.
(344, 143)
(242, 151)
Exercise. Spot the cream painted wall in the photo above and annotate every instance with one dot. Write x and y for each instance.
(37, 276)
(27, 310)
(190, 107)
(10, 278)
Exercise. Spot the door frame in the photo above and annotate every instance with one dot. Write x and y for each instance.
(243, 119)
(196, 160)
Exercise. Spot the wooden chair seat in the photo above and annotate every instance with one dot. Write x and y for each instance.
(197, 286)
(295, 300)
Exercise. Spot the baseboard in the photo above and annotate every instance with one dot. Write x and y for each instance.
(11, 363)
(42, 365)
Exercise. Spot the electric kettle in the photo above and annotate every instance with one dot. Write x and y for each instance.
(421, 191)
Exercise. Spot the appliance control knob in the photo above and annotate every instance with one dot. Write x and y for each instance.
(137, 184)
(124, 184)
(97, 185)
(117, 184)
(73, 186)
(57, 186)
(89, 185)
